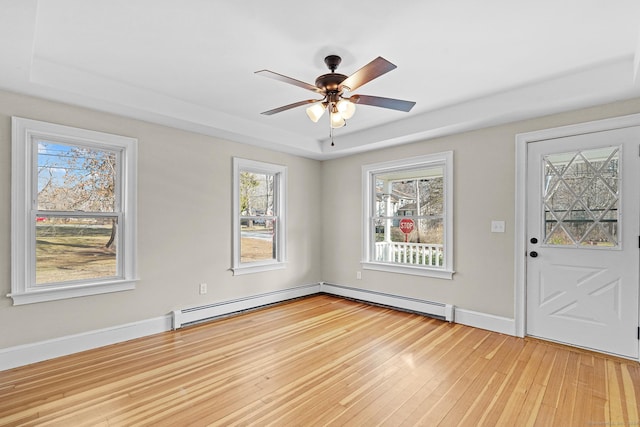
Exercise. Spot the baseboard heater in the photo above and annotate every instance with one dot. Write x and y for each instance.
(194, 315)
(414, 305)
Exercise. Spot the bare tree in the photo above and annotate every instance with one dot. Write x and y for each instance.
(248, 185)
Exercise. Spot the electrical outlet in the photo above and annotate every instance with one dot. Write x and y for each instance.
(359, 275)
(203, 288)
(497, 226)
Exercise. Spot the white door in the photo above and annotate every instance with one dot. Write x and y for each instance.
(582, 240)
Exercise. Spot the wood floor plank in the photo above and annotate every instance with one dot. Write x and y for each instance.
(324, 360)
(616, 406)
(630, 395)
(584, 392)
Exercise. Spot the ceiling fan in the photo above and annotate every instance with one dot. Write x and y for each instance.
(332, 87)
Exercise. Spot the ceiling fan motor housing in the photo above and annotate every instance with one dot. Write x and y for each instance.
(330, 82)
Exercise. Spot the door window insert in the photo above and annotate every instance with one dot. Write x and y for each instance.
(581, 198)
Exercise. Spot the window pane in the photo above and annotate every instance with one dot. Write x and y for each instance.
(257, 239)
(75, 248)
(417, 192)
(408, 223)
(422, 245)
(74, 178)
(256, 194)
(581, 198)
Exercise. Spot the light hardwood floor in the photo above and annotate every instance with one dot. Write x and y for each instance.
(323, 360)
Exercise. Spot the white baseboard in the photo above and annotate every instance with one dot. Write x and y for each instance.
(503, 325)
(26, 354)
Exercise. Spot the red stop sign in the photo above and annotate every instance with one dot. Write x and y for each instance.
(406, 225)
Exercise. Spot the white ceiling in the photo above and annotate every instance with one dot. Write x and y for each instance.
(190, 64)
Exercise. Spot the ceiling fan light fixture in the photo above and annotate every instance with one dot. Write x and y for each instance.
(315, 111)
(337, 121)
(346, 108)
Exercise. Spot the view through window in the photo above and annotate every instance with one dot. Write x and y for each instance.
(258, 218)
(581, 198)
(76, 219)
(409, 223)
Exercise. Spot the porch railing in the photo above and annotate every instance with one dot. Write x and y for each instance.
(425, 254)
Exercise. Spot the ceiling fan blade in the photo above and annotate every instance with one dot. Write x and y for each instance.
(372, 70)
(291, 81)
(378, 101)
(290, 106)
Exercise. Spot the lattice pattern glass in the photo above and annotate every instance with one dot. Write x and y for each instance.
(581, 198)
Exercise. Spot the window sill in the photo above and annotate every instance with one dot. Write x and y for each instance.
(257, 268)
(53, 294)
(412, 270)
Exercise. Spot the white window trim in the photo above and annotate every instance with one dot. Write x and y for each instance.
(280, 262)
(368, 171)
(23, 289)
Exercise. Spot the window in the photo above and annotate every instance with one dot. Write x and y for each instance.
(258, 216)
(581, 196)
(73, 212)
(408, 216)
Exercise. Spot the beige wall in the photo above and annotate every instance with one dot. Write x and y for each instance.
(484, 186)
(184, 226)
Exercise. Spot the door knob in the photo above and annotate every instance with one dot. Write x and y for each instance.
(534, 240)
(533, 254)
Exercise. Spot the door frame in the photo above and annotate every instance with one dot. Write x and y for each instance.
(522, 141)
